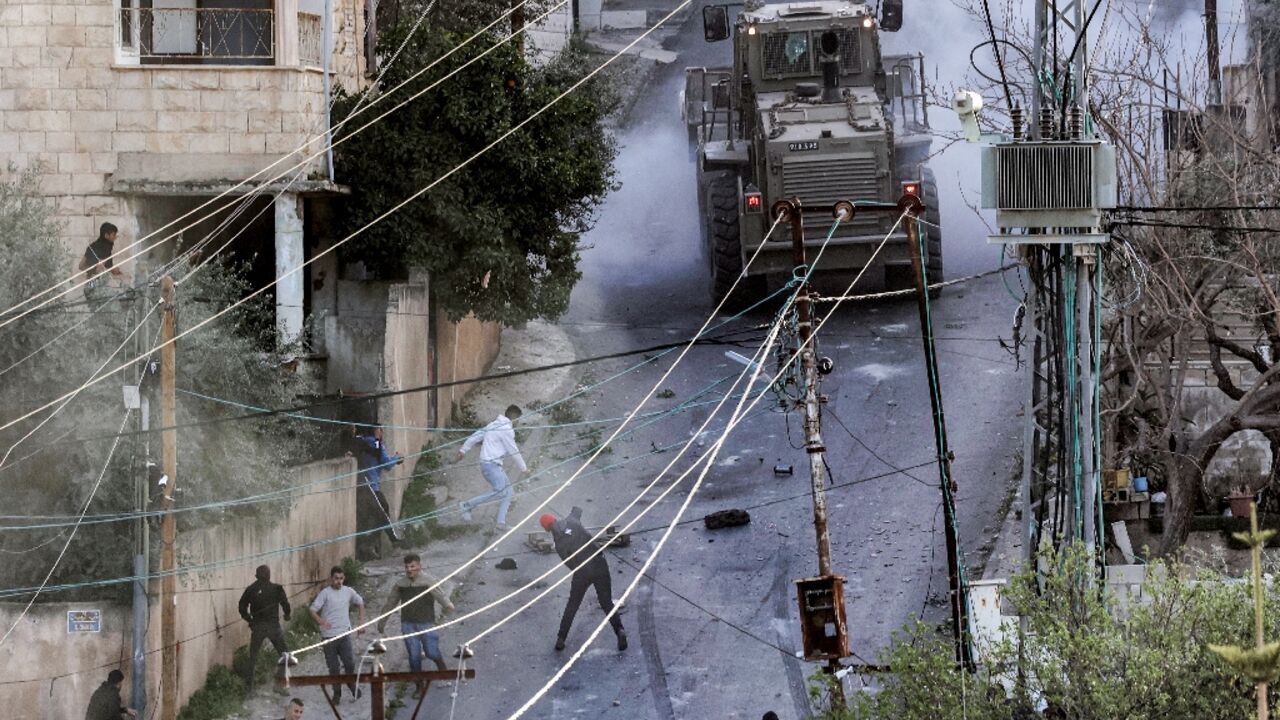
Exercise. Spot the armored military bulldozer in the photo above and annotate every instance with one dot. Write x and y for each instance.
(809, 108)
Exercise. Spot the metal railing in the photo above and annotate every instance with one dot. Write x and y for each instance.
(231, 36)
(310, 39)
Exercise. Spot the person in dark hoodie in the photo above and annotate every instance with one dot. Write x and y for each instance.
(258, 606)
(571, 537)
(105, 704)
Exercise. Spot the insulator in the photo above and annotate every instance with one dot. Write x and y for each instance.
(1015, 114)
(1046, 124)
(1077, 122)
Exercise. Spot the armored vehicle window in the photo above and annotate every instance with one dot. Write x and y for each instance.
(787, 54)
(850, 60)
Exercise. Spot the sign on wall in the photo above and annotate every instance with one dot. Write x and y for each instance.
(84, 621)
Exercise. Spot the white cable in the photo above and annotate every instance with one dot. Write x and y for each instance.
(72, 396)
(591, 542)
(301, 148)
(764, 348)
(626, 421)
(383, 216)
(714, 453)
(419, 193)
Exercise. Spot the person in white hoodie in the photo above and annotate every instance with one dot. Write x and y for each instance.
(497, 442)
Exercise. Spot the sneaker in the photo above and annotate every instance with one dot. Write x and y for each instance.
(466, 513)
(337, 695)
(501, 527)
(622, 642)
(559, 645)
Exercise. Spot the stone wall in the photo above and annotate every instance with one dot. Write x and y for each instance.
(464, 350)
(208, 626)
(95, 122)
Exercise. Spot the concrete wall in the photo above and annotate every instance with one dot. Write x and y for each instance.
(463, 350)
(208, 625)
(92, 118)
(406, 362)
(549, 37)
(41, 647)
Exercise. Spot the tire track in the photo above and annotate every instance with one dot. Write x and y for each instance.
(658, 688)
(782, 595)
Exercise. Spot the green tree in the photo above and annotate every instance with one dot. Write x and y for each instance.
(499, 237)
(1087, 655)
(53, 471)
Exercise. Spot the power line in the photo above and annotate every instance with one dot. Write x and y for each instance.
(286, 411)
(327, 146)
(715, 450)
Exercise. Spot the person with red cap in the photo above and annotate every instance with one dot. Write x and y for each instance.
(573, 545)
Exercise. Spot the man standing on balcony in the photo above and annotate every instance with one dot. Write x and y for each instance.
(97, 263)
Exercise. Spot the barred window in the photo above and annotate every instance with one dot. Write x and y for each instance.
(789, 54)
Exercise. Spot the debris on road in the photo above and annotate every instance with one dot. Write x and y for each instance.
(726, 518)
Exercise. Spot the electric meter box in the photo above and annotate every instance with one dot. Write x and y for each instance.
(822, 618)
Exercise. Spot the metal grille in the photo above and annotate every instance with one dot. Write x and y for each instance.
(778, 62)
(1045, 177)
(824, 181)
(787, 53)
(232, 35)
(850, 61)
(310, 39)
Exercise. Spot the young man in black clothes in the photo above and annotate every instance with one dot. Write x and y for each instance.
(571, 537)
(258, 606)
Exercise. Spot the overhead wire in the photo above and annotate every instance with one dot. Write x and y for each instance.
(70, 397)
(93, 492)
(115, 256)
(713, 453)
(648, 395)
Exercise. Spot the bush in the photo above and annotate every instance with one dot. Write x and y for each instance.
(222, 695)
(1084, 653)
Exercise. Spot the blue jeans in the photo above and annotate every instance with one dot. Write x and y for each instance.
(502, 491)
(417, 645)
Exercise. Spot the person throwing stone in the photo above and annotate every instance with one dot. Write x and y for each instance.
(497, 442)
(571, 537)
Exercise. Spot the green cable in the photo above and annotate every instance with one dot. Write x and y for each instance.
(940, 439)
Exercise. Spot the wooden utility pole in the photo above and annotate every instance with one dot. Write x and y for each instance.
(168, 528)
(912, 206)
(1211, 43)
(823, 594)
(517, 24)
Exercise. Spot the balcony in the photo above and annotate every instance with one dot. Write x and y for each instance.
(177, 35)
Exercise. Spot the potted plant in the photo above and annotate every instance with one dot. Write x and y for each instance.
(1241, 499)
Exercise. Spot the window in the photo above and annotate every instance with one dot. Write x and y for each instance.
(790, 54)
(198, 32)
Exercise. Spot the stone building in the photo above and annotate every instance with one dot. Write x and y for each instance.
(139, 111)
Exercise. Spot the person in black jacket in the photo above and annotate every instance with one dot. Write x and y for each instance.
(571, 537)
(258, 607)
(105, 704)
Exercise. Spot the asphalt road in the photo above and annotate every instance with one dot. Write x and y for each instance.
(713, 628)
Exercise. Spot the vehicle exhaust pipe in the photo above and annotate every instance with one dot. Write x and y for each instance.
(829, 55)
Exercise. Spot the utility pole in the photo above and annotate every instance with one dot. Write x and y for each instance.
(1211, 43)
(959, 590)
(821, 598)
(168, 528)
(517, 24)
(142, 540)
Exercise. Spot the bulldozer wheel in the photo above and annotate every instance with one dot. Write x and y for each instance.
(933, 231)
(725, 244)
